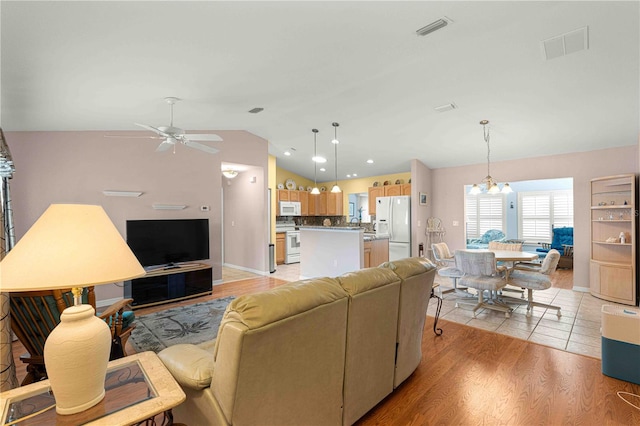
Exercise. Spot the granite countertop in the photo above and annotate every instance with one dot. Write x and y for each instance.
(367, 236)
(332, 228)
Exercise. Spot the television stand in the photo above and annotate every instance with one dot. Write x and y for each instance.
(163, 285)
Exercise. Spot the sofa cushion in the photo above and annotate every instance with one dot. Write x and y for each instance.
(371, 339)
(257, 310)
(366, 279)
(406, 268)
(190, 365)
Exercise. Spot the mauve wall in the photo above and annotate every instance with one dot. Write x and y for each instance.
(448, 191)
(421, 178)
(75, 167)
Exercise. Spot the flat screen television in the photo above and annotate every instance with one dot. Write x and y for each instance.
(168, 241)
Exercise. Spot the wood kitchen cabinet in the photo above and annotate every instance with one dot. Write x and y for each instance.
(280, 246)
(283, 195)
(304, 203)
(367, 254)
(321, 204)
(391, 190)
(386, 191)
(313, 202)
(334, 204)
(376, 252)
(374, 192)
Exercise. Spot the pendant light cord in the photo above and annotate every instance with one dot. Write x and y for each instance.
(486, 139)
(315, 155)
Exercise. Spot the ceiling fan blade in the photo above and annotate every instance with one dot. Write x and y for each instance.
(201, 147)
(132, 137)
(205, 137)
(153, 129)
(165, 145)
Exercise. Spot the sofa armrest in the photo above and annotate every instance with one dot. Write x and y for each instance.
(190, 365)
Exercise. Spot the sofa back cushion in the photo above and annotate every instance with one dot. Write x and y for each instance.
(371, 339)
(417, 276)
(279, 355)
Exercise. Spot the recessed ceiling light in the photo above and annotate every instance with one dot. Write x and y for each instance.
(370, 161)
(287, 153)
(354, 175)
(319, 159)
(256, 110)
(348, 175)
(322, 169)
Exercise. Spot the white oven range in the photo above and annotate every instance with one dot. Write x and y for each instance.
(292, 241)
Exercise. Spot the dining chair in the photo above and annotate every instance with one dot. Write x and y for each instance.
(507, 266)
(445, 263)
(536, 277)
(480, 273)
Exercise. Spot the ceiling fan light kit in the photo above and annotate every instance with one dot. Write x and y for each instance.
(172, 135)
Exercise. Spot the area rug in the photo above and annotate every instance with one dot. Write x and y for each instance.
(193, 324)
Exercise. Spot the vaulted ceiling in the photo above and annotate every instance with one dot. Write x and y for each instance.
(105, 65)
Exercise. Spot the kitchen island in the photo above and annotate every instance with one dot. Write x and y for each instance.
(329, 251)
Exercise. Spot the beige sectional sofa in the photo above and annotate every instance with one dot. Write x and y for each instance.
(322, 351)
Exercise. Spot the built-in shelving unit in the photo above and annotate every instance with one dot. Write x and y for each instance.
(613, 239)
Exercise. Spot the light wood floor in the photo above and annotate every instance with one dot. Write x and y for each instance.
(471, 376)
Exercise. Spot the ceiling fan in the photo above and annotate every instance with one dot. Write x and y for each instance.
(172, 135)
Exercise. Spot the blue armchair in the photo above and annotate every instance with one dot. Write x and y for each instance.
(562, 240)
(483, 242)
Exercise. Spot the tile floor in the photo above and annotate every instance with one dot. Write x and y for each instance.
(577, 330)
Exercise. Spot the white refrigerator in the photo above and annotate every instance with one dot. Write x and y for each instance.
(393, 220)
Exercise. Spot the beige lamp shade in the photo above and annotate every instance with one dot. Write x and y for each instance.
(70, 245)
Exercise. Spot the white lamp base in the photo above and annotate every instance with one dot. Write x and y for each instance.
(76, 355)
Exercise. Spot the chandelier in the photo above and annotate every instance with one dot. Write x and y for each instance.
(489, 182)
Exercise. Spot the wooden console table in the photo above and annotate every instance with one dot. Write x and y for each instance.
(138, 387)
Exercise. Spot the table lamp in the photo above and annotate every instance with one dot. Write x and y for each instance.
(72, 246)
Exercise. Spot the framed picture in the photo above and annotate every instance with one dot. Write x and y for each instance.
(352, 209)
(423, 199)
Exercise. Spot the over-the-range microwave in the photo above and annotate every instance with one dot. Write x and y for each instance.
(290, 208)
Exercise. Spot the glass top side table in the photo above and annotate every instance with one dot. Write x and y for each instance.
(138, 387)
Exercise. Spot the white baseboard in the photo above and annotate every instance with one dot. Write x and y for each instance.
(242, 268)
(102, 304)
(581, 289)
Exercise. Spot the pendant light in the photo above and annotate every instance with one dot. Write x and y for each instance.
(315, 190)
(490, 183)
(335, 143)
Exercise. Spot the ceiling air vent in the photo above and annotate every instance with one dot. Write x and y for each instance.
(434, 26)
(445, 107)
(256, 110)
(564, 44)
